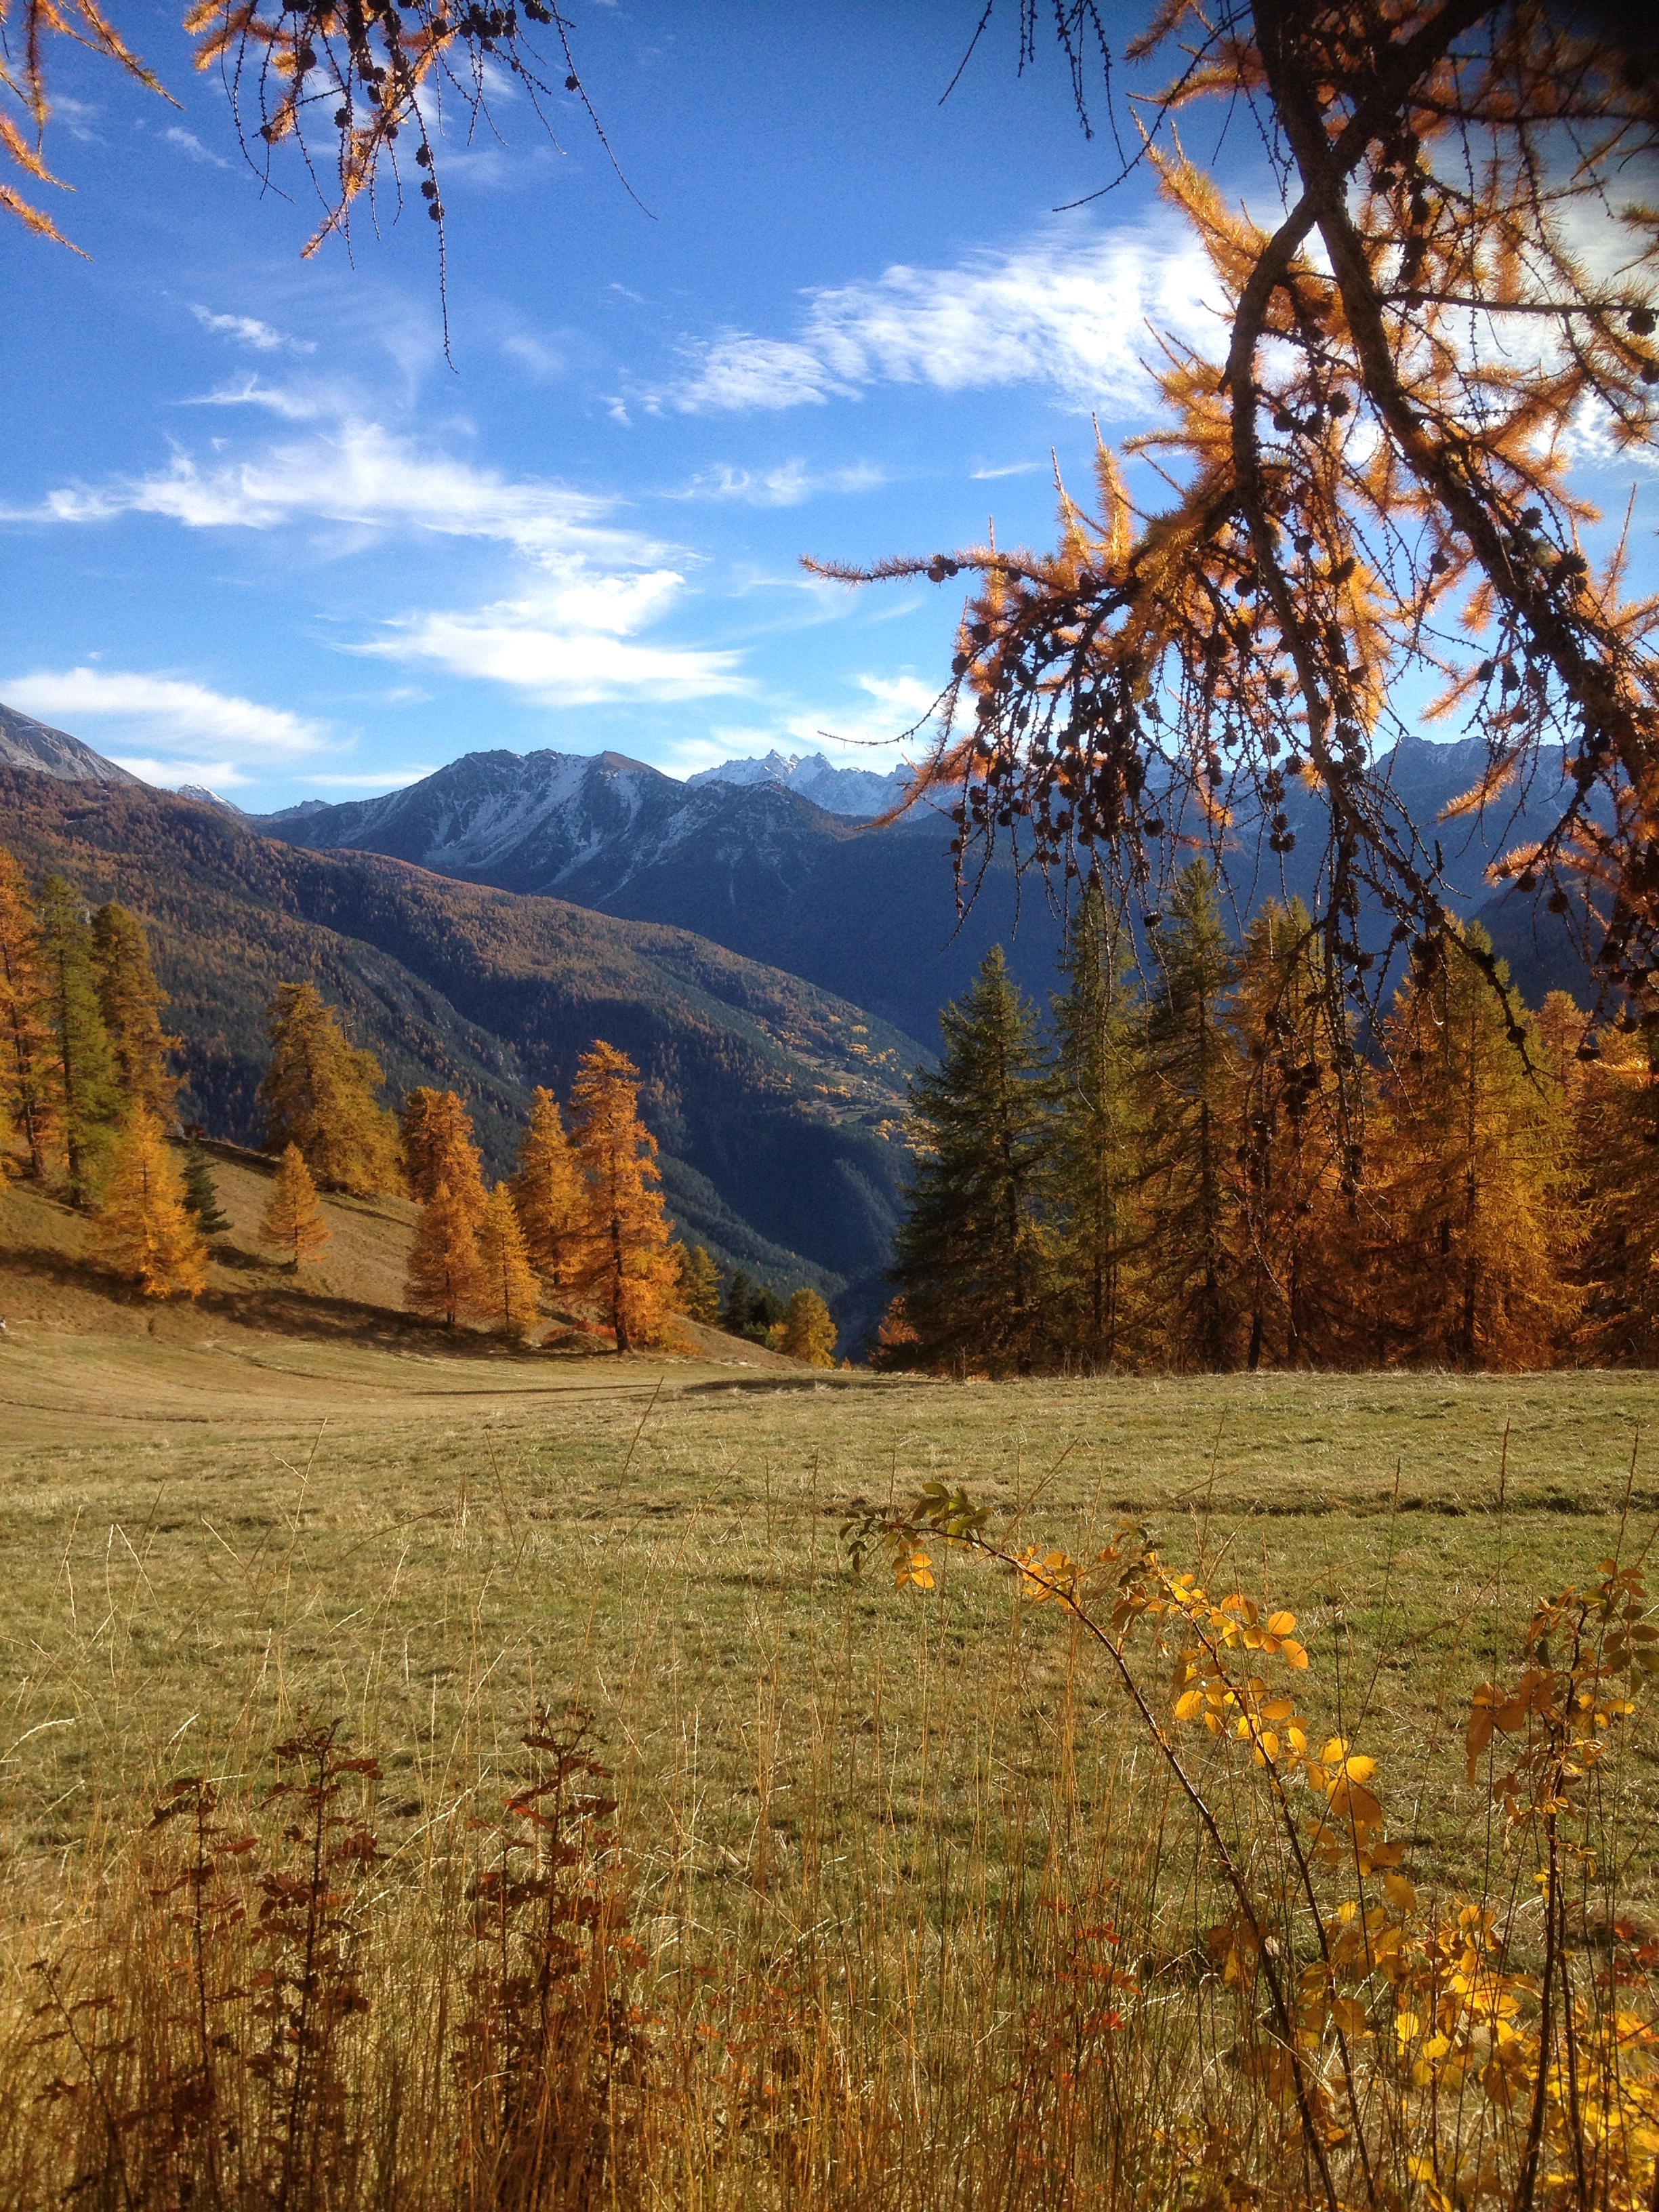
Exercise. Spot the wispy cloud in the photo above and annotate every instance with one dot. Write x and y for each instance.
(178, 723)
(1070, 311)
(1012, 468)
(789, 485)
(191, 147)
(249, 330)
(355, 472)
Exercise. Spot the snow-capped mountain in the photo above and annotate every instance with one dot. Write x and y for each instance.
(857, 793)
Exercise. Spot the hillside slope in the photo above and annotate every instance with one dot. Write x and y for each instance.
(776, 1103)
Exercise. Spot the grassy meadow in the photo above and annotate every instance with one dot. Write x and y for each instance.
(861, 1836)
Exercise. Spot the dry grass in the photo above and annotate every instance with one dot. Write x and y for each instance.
(881, 1853)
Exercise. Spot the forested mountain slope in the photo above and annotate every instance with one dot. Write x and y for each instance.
(776, 1103)
(868, 912)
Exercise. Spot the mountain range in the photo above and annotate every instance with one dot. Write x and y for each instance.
(773, 959)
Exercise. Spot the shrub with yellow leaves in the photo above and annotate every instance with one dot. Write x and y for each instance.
(1444, 2050)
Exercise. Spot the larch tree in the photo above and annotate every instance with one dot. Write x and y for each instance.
(438, 1148)
(26, 1087)
(1618, 1148)
(131, 1001)
(623, 1263)
(143, 1229)
(445, 1276)
(1196, 1283)
(808, 1330)
(700, 1284)
(1095, 1090)
(1297, 1165)
(968, 1258)
(319, 1093)
(508, 1300)
(294, 1223)
(83, 1085)
(1475, 1170)
(548, 1192)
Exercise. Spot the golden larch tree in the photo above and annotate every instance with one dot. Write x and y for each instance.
(1475, 1163)
(508, 1300)
(808, 1332)
(445, 1275)
(623, 1261)
(548, 1192)
(700, 1284)
(294, 1223)
(143, 1229)
(25, 1023)
(131, 1001)
(319, 1093)
(438, 1148)
(1619, 1147)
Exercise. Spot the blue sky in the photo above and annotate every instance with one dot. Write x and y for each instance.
(258, 534)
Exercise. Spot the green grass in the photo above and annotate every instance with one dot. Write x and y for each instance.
(460, 1540)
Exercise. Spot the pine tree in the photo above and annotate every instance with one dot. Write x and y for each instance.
(1476, 1159)
(131, 1000)
(508, 1298)
(700, 1284)
(143, 1229)
(1095, 1091)
(1297, 1177)
(25, 1026)
(623, 1261)
(200, 1195)
(1192, 1092)
(319, 1093)
(438, 1148)
(547, 1191)
(808, 1330)
(445, 1276)
(968, 1256)
(294, 1221)
(84, 1088)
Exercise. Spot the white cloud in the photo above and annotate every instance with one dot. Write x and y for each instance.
(566, 632)
(1013, 469)
(174, 717)
(788, 485)
(568, 645)
(1071, 310)
(249, 330)
(191, 147)
(865, 734)
(356, 472)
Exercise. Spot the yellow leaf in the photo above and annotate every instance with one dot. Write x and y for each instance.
(1359, 1770)
(1281, 1624)
(1400, 1892)
(1292, 1652)
(1407, 2025)
(1189, 1706)
(1335, 1753)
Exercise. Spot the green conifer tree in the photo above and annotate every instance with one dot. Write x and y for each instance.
(1095, 1090)
(970, 1262)
(85, 1087)
(201, 1195)
(319, 1093)
(131, 1000)
(1192, 1094)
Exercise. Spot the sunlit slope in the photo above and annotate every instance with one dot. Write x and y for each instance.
(776, 1103)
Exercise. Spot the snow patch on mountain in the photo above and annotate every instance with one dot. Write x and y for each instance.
(857, 793)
